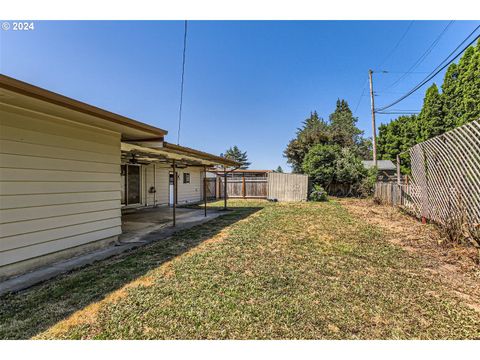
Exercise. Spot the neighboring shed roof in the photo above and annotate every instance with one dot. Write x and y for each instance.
(381, 164)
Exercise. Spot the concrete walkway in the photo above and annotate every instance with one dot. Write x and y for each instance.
(139, 228)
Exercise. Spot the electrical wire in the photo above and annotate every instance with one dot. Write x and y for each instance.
(383, 62)
(360, 98)
(417, 63)
(182, 82)
(397, 44)
(437, 70)
(399, 112)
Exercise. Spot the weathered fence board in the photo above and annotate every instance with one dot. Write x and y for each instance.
(287, 187)
(244, 187)
(211, 187)
(278, 186)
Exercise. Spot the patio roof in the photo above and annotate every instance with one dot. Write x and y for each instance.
(182, 155)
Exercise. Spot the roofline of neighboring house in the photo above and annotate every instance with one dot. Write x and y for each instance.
(39, 93)
(370, 164)
(198, 153)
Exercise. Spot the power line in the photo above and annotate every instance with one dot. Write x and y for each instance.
(383, 62)
(400, 72)
(399, 112)
(181, 86)
(397, 44)
(438, 69)
(360, 98)
(417, 63)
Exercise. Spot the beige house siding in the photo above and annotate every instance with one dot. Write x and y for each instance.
(192, 192)
(158, 178)
(59, 185)
(187, 193)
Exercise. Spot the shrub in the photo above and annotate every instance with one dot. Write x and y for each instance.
(366, 186)
(318, 193)
(330, 166)
(319, 164)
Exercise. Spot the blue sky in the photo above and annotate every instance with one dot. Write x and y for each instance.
(247, 83)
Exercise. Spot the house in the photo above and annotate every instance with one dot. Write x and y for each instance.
(68, 169)
(387, 171)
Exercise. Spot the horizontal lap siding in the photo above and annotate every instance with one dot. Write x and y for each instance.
(192, 192)
(59, 185)
(187, 193)
(160, 181)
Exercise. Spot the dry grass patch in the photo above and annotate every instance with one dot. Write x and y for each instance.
(450, 263)
(289, 271)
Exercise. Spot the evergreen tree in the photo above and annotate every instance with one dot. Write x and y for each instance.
(396, 138)
(234, 153)
(343, 129)
(314, 131)
(431, 120)
(451, 96)
(278, 169)
(469, 83)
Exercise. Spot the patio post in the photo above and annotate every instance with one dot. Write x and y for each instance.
(205, 188)
(174, 192)
(224, 188)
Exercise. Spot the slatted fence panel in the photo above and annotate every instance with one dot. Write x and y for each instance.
(445, 182)
(211, 187)
(287, 187)
(237, 187)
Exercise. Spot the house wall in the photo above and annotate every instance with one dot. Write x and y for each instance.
(187, 193)
(160, 182)
(59, 186)
(192, 192)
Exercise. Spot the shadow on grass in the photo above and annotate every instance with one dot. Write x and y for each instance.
(30, 312)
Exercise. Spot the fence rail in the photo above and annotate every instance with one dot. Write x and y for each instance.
(245, 187)
(276, 186)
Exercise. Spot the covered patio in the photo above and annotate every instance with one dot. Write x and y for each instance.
(175, 157)
(146, 225)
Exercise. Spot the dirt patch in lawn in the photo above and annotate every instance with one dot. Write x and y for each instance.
(452, 264)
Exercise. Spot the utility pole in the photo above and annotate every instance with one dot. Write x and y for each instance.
(374, 127)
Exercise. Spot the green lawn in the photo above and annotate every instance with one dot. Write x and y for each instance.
(264, 270)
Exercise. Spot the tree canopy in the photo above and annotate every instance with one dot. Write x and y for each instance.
(234, 153)
(341, 130)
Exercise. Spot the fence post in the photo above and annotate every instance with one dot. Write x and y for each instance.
(398, 170)
(243, 186)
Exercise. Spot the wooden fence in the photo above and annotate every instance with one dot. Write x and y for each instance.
(287, 187)
(445, 182)
(211, 187)
(244, 187)
(277, 186)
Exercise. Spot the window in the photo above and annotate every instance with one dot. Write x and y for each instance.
(186, 178)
